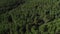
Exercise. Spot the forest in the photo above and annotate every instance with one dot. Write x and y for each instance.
(29, 16)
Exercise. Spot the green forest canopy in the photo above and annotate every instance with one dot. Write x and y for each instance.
(29, 16)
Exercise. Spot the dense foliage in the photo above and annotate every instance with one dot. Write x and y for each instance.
(29, 16)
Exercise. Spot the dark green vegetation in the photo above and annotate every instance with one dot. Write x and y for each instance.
(29, 16)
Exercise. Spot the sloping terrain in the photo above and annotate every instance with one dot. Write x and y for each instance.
(30, 17)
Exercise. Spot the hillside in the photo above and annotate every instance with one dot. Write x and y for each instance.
(29, 16)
